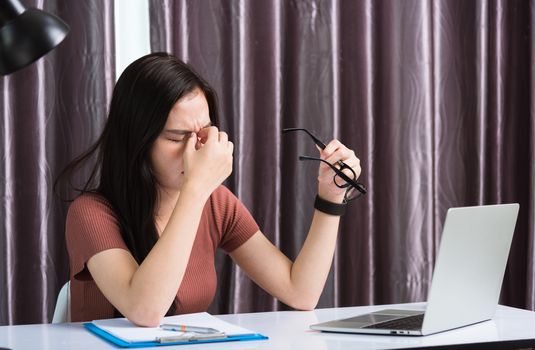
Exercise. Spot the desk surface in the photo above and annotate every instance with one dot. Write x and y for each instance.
(290, 330)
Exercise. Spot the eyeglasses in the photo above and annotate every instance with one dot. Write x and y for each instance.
(354, 189)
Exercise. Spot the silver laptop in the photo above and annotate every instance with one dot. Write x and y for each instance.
(466, 282)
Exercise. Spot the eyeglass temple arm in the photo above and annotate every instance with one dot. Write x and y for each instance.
(316, 140)
(339, 173)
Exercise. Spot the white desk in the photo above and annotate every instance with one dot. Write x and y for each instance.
(510, 328)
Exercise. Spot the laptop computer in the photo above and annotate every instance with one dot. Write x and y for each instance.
(467, 278)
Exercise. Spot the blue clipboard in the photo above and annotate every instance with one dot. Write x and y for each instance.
(123, 344)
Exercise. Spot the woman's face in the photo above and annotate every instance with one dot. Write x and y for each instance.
(189, 114)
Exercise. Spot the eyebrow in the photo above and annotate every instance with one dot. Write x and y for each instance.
(185, 132)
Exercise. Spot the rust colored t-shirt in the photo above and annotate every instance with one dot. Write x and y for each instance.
(92, 227)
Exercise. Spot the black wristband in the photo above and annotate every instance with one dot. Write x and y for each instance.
(329, 207)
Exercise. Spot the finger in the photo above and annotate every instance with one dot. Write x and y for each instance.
(329, 174)
(350, 174)
(230, 146)
(198, 144)
(203, 134)
(352, 171)
(191, 143)
(331, 148)
(342, 154)
(223, 137)
(212, 134)
(352, 162)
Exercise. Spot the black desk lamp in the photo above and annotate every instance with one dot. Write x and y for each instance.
(26, 35)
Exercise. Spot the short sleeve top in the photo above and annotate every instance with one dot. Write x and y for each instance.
(92, 227)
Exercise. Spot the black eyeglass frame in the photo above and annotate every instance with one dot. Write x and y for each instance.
(348, 181)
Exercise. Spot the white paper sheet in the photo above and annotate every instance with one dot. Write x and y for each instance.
(125, 330)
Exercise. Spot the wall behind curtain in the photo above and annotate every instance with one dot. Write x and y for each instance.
(435, 97)
(50, 111)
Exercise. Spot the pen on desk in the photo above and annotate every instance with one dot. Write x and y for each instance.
(185, 328)
(191, 337)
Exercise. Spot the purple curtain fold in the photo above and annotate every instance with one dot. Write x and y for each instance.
(50, 111)
(435, 97)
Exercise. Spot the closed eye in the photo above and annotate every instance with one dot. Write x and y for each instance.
(181, 138)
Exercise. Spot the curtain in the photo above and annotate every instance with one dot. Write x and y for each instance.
(435, 97)
(50, 112)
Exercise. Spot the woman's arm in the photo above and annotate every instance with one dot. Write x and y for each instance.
(299, 284)
(143, 293)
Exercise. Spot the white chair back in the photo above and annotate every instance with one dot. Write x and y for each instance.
(62, 313)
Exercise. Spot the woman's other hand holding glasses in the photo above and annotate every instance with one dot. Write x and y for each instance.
(328, 186)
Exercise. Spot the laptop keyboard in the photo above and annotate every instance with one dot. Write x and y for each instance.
(408, 323)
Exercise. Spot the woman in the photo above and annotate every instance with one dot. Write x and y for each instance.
(142, 240)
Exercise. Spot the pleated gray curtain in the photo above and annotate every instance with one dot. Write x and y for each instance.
(435, 97)
(50, 112)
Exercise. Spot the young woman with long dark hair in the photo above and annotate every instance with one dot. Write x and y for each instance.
(142, 235)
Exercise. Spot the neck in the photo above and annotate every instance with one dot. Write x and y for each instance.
(167, 198)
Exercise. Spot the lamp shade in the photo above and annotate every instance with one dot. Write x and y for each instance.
(26, 35)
